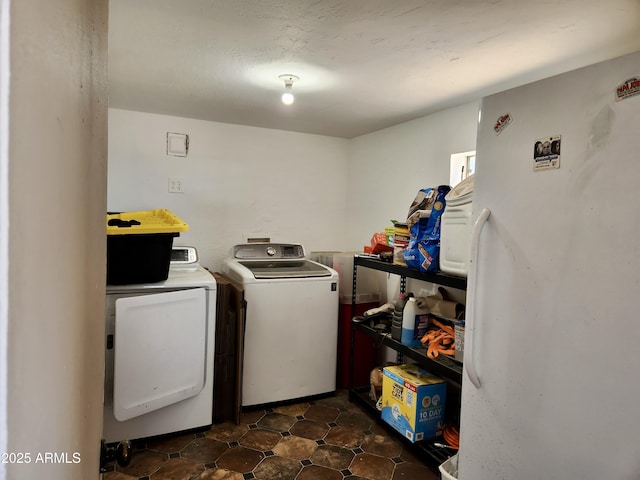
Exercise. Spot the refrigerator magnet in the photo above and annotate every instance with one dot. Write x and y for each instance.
(502, 123)
(627, 89)
(546, 153)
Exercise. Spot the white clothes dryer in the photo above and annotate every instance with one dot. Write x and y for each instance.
(160, 352)
(291, 333)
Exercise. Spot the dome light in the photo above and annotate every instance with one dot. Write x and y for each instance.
(287, 96)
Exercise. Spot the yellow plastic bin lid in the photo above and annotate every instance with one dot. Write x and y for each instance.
(144, 221)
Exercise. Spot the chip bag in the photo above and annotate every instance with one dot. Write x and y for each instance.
(423, 251)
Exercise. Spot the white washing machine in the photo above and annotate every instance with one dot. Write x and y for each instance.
(291, 334)
(159, 355)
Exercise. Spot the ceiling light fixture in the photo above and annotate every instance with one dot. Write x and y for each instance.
(287, 96)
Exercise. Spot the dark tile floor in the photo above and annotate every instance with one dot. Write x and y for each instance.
(325, 439)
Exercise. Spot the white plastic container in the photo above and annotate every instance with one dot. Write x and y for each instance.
(449, 469)
(415, 322)
(455, 230)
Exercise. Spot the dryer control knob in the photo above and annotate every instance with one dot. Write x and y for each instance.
(271, 251)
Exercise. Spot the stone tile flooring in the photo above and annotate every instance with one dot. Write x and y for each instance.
(325, 439)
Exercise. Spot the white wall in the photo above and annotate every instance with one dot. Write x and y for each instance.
(57, 198)
(238, 181)
(5, 45)
(326, 193)
(387, 168)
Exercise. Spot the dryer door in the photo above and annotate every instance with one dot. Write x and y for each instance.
(160, 350)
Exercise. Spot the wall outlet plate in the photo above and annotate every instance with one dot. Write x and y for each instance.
(176, 185)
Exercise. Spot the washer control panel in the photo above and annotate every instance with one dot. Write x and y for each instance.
(183, 255)
(260, 251)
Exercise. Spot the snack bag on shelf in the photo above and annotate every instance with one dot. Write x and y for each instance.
(423, 250)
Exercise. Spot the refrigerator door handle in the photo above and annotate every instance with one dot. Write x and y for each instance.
(470, 322)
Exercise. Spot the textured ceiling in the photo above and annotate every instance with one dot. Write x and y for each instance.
(363, 64)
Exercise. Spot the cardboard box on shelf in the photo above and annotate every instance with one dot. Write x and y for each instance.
(389, 233)
(379, 243)
(413, 401)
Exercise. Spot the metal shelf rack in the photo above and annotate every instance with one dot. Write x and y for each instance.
(428, 450)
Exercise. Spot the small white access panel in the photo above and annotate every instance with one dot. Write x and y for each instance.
(160, 350)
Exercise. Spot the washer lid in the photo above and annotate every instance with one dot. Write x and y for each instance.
(267, 269)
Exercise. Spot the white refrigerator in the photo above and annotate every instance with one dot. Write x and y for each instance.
(551, 388)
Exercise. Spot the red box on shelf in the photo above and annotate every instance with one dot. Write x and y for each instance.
(379, 243)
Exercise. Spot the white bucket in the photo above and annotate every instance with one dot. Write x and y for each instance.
(455, 230)
(449, 469)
